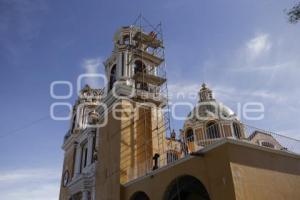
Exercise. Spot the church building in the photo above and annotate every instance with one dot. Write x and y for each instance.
(120, 145)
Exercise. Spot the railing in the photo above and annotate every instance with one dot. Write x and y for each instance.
(177, 149)
(150, 94)
(243, 133)
(278, 141)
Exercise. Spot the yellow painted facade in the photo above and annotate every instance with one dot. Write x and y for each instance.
(228, 174)
(126, 145)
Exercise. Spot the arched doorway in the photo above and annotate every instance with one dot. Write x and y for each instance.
(189, 135)
(140, 196)
(186, 188)
(112, 77)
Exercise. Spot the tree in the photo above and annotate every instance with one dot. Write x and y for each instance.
(294, 14)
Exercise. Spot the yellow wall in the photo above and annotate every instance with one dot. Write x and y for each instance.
(230, 171)
(108, 165)
(126, 147)
(212, 170)
(262, 175)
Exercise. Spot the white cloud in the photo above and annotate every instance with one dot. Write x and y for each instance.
(24, 174)
(232, 94)
(29, 184)
(46, 191)
(266, 68)
(258, 46)
(183, 91)
(93, 66)
(189, 91)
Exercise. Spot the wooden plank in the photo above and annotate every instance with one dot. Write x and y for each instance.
(149, 78)
(147, 39)
(143, 55)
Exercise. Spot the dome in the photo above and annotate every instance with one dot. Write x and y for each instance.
(208, 108)
(213, 109)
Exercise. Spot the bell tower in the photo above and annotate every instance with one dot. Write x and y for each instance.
(132, 140)
(137, 61)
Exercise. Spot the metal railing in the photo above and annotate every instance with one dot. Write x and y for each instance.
(194, 141)
(244, 133)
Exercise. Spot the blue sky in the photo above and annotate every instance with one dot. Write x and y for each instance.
(244, 49)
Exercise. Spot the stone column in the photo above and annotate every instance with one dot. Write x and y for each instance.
(130, 68)
(232, 130)
(93, 194)
(77, 160)
(85, 195)
(119, 66)
(125, 65)
(90, 148)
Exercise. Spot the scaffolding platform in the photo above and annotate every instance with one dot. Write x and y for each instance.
(149, 78)
(143, 55)
(142, 95)
(147, 39)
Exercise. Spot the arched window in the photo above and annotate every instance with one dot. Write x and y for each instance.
(186, 188)
(73, 123)
(84, 156)
(140, 196)
(236, 130)
(212, 130)
(140, 68)
(112, 77)
(126, 40)
(189, 135)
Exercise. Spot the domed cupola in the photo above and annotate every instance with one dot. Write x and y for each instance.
(210, 120)
(208, 108)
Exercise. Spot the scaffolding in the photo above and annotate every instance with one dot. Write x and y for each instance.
(145, 46)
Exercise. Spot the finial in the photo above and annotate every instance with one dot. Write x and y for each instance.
(173, 134)
(205, 94)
